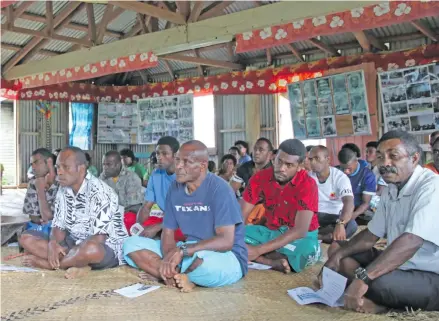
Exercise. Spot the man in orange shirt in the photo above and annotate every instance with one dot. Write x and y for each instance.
(434, 166)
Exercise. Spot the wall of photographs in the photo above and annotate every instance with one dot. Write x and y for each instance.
(161, 116)
(330, 106)
(410, 99)
(117, 123)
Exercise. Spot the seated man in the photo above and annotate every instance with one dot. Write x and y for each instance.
(130, 162)
(39, 202)
(336, 200)
(243, 152)
(87, 230)
(91, 168)
(151, 213)
(204, 207)
(227, 167)
(406, 273)
(434, 143)
(288, 235)
(362, 180)
(126, 184)
(262, 155)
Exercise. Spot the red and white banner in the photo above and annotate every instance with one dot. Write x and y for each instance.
(265, 81)
(98, 69)
(374, 16)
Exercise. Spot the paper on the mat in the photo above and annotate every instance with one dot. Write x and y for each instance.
(14, 244)
(13, 268)
(258, 266)
(136, 290)
(330, 294)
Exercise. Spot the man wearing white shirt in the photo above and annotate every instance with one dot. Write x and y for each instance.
(406, 273)
(336, 200)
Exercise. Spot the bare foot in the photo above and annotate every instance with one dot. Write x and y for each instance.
(75, 272)
(184, 283)
(147, 277)
(281, 265)
(372, 308)
(30, 260)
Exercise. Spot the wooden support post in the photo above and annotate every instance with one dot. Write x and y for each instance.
(252, 119)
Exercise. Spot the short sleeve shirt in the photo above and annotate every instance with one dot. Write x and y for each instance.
(331, 192)
(31, 204)
(244, 173)
(281, 203)
(158, 186)
(363, 182)
(413, 210)
(210, 206)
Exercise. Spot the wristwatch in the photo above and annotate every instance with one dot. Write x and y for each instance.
(361, 274)
(183, 247)
(339, 221)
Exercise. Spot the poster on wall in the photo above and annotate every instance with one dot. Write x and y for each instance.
(166, 116)
(117, 123)
(410, 99)
(330, 106)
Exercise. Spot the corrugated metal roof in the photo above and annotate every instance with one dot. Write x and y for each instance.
(63, 46)
(82, 18)
(216, 54)
(239, 6)
(108, 39)
(124, 22)
(14, 38)
(6, 55)
(338, 38)
(38, 57)
(393, 30)
(433, 22)
(27, 24)
(39, 7)
(178, 65)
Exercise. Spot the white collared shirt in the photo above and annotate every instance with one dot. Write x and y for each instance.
(415, 210)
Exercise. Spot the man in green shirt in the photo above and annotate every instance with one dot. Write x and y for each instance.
(130, 163)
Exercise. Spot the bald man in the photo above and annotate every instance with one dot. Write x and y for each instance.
(126, 184)
(336, 200)
(87, 227)
(205, 208)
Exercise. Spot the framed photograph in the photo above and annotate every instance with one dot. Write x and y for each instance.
(435, 89)
(328, 126)
(339, 84)
(295, 94)
(396, 109)
(358, 102)
(311, 109)
(423, 106)
(422, 123)
(341, 102)
(299, 129)
(355, 82)
(399, 123)
(325, 106)
(418, 90)
(323, 88)
(309, 89)
(361, 123)
(394, 94)
(313, 127)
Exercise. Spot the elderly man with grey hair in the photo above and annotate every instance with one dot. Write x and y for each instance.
(406, 273)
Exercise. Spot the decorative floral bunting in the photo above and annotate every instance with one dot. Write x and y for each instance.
(99, 69)
(374, 16)
(266, 81)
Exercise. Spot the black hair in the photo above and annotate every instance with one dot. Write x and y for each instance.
(294, 147)
(353, 148)
(171, 142)
(308, 148)
(211, 166)
(79, 154)
(229, 156)
(88, 157)
(45, 153)
(113, 153)
(234, 148)
(409, 141)
(372, 144)
(435, 133)
(243, 143)
(435, 141)
(274, 151)
(266, 140)
(128, 153)
(153, 158)
(345, 155)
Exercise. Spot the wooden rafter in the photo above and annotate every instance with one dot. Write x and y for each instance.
(231, 52)
(199, 67)
(196, 11)
(367, 41)
(269, 58)
(203, 61)
(422, 27)
(17, 12)
(183, 8)
(100, 33)
(49, 17)
(38, 42)
(12, 47)
(217, 10)
(324, 47)
(45, 35)
(141, 20)
(10, 17)
(295, 52)
(151, 10)
(91, 22)
(168, 68)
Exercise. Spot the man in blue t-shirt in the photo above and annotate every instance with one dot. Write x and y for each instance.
(152, 212)
(362, 179)
(205, 208)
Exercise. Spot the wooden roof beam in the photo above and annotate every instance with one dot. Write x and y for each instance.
(10, 17)
(49, 17)
(183, 8)
(216, 11)
(295, 52)
(324, 47)
(196, 11)
(367, 41)
(91, 22)
(199, 67)
(151, 10)
(203, 61)
(422, 27)
(169, 69)
(269, 58)
(12, 47)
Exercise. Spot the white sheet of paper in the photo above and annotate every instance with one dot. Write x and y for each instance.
(136, 290)
(13, 268)
(258, 266)
(330, 294)
(13, 244)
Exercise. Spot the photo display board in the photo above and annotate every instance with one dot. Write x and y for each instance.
(117, 123)
(166, 116)
(330, 106)
(410, 99)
